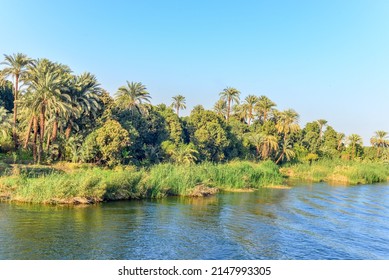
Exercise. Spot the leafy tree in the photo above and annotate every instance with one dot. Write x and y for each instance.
(178, 103)
(15, 66)
(111, 139)
(5, 122)
(209, 134)
(355, 144)
(379, 140)
(132, 96)
(321, 124)
(220, 108)
(264, 106)
(230, 95)
(311, 137)
(6, 96)
(250, 102)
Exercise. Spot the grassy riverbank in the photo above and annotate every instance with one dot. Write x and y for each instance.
(94, 184)
(338, 171)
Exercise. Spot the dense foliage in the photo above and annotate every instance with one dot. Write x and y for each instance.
(50, 114)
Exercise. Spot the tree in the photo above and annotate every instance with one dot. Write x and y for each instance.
(265, 144)
(5, 122)
(178, 103)
(250, 102)
(287, 123)
(354, 141)
(264, 106)
(379, 140)
(132, 96)
(45, 95)
(230, 95)
(321, 124)
(112, 138)
(84, 91)
(220, 108)
(16, 66)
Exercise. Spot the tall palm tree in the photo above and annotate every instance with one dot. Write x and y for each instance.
(379, 140)
(287, 123)
(220, 108)
(230, 95)
(45, 96)
(353, 141)
(132, 96)
(340, 136)
(178, 103)
(84, 91)
(321, 124)
(16, 66)
(264, 106)
(250, 102)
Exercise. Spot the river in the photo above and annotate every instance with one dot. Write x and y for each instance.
(305, 222)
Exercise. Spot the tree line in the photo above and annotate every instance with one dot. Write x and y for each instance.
(48, 114)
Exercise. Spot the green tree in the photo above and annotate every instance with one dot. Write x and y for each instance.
(355, 143)
(379, 140)
(321, 124)
(209, 134)
(132, 96)
(263, 107)
(5, 121)
(220, 108)
(250, 102)
(287, 123)
(15, 66)
(230, 95)
(178, 103)
(111, 139)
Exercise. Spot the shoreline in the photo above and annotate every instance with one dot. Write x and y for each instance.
(90, 184)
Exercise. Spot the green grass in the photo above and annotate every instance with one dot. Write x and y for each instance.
(95, 184)
(346, 172)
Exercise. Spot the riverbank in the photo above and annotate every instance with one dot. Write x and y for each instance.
(88, 184)
(339, 172)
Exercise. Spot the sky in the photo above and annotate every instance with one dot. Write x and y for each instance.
(325, 59)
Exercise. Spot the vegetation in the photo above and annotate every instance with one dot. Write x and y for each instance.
(50, 115)
(95, 184)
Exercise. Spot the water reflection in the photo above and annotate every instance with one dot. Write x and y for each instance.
(305, 222)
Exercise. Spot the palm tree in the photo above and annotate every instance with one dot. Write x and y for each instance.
(45, 96)
(178, 103)
(264, 144)
(250, 102)
(5, 123)
(379, 140)
(340, 138)
(230, 95)
(220, 108)
(353, 141)
(16, 66)
(132, 96)
(84, 91)
(185, 154)
(321, 124)
(287, 123)
(287, 151)
(264, 107)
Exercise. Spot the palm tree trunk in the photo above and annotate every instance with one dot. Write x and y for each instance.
(228, 108)
(34, 148)
(264, 116)
(48, 141)
(68, 131)
(14, 135)
(178, 110)
(28, 133)
(42, 123)
(281, 156)
(55, 131)
(250, 114)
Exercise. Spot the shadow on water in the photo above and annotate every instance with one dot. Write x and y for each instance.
(306, 222)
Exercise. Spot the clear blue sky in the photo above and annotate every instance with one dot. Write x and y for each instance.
(325, 59)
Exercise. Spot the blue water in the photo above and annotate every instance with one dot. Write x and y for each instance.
(305, 222)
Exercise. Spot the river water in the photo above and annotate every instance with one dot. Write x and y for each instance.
(305, 222)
